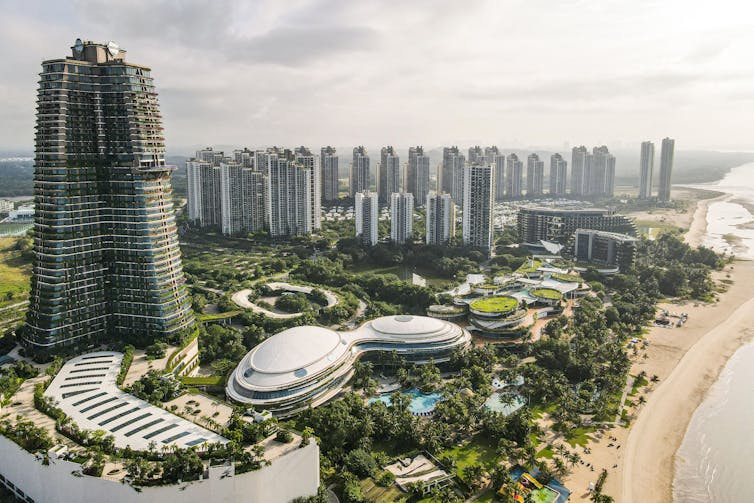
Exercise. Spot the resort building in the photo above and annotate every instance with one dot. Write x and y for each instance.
(667, 154)
(441, 219)
(478, 202)
(646, 168)
(107, 264)
(401, 217)
(367, 213)
(328, 161)
(359, 171)
(555, 225)
(417, 174)
(607, 249)
(306, 366)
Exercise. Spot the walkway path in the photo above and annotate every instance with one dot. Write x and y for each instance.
(241, 298)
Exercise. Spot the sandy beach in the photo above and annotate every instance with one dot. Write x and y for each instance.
(687, 362)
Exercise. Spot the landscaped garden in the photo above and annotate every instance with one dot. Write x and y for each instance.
(549, 294)
(495, 305)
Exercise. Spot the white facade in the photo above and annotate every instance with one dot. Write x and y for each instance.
(204, 193)
(441, 219)
(367, 215)
(401, 217)
(478, 202)
(292, 475)
(289, 197)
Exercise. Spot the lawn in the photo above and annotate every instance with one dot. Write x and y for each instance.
(529, 266)
(474, 451)
(15, 272)
(568, 278)
(203, 380)
(218, 316)
(502, 304)
(579, 436)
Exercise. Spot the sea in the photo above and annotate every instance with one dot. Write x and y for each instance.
(714, 461)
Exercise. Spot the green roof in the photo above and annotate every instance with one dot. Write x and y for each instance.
(502, 304)
(547, 293)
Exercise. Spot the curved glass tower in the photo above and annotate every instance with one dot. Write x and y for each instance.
(107, 263)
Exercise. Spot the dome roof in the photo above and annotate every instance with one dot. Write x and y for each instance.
(293, 349)
(407, 325)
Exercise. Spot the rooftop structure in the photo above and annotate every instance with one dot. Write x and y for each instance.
(85, 389)
(306, 366)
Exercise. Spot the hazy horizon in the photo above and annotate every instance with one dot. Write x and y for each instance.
(523, 75)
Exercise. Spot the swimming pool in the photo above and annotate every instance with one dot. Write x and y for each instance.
(499, 402)
(421, 403)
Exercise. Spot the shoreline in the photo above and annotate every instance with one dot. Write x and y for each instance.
(687, 361)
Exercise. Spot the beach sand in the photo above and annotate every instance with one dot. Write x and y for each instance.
(687, 362)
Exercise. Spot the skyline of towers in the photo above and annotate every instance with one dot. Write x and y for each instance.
(401, 217)
(417, 174)
(646, 169)
(367, 214)
(289, 196)
(328, 162)
(558, 175)
(478, 203)
(475, 155)
(514, 173)
(359, 179)
(107, 264)
(440, 219)
(535, 175)
(667, 153)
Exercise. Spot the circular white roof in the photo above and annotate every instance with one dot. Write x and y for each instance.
(293, 349)
(407, 325)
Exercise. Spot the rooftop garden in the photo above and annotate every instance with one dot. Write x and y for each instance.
(529, 266)
(547, 293)
(502, 304)
(568, 278)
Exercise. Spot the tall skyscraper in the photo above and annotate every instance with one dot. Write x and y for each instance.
(558, 173)
(390, 174)
(231, 197)
(451, 159)
(646, 168)
(601, 175)
(478, 199)
(106, 259)
(401, 217)
(204, 203)
(535, 176)
(666, 168)
(441, 219)
(498, 161)
(304, 157)
(475, 155)
(580, 165)
(328, 161)
(367, 215)
(514, 177)
(359, 171)
(417, 174)
(289, 195)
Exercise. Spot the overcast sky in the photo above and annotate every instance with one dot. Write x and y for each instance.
(518, 73)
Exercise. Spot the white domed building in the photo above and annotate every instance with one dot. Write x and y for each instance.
(306, 366)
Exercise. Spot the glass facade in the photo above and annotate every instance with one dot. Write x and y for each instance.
(107, 263)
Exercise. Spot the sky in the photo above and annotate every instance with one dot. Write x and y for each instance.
(516, 73)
